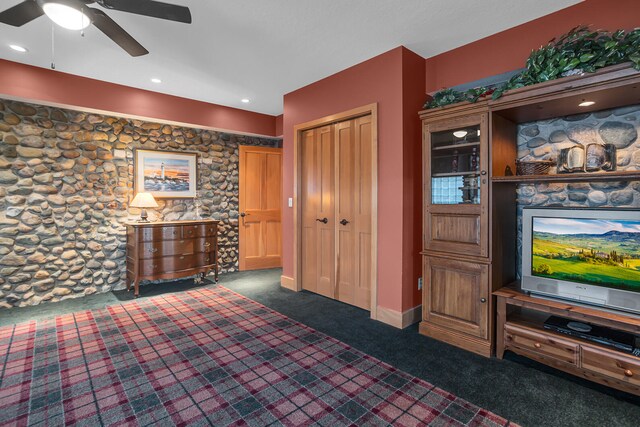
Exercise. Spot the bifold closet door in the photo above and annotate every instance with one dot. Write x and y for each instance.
(318, 211)
(353, 211)
(336, 211)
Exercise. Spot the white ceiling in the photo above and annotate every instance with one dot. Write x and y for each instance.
(263, 49)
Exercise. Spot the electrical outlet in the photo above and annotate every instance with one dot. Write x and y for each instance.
(290, 202)
(419, 283)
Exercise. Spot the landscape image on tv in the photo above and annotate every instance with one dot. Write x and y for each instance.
(590, 251)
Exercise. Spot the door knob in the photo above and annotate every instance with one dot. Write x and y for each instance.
(344, 222)
(242, 214)
(323, 220)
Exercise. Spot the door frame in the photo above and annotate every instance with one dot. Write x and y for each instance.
(370, 109)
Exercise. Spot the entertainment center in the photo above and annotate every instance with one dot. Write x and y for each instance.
(472, 211)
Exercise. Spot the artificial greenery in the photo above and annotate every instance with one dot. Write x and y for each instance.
(580, 50)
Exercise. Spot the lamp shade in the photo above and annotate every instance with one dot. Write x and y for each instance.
(144, 200)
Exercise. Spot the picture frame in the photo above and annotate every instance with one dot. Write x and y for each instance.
(165, 174)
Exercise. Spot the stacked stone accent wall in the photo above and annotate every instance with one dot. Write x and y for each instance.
(66, 180)
(544, 139)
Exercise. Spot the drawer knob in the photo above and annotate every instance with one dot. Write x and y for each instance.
(181, 257)
(483, 300)
(153, 250)
(207, 244)
(628, 372)
(537, 345)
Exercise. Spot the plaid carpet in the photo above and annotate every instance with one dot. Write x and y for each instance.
(206, 357)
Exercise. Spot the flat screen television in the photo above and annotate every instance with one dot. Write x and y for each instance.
(586, 255)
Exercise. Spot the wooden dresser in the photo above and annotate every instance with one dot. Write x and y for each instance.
(170, 250)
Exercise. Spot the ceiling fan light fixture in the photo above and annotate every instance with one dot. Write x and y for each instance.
(156, 80)
(245, 100)
(460, 133)
(19, 48)
(66, 14)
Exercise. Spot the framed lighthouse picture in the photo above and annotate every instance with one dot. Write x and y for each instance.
(165, 174)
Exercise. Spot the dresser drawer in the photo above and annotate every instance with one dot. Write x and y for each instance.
(198, 230)
(611, 364)
(152, 234)
(168, 248)
(170, 264)
(546, 345)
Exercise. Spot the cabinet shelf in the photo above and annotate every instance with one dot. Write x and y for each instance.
(446, 174)
(571, 177)
(456, 146)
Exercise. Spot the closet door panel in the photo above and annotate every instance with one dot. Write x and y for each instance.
(345, 204)
(309, 203)
(363, 194)
(325, 216)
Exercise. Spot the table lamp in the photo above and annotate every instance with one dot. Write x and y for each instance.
(142, 201)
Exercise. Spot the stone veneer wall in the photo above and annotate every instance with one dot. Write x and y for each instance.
(544, 140)
(65, 186)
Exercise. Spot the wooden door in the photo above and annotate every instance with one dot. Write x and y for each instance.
(260, 207)
(456, 295)
(353, 211)
(318, 211)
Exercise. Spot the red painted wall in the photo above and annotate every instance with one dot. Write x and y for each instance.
(279, 125)
(378, 80)
(508, 50)
(413, 70)
(41, 85)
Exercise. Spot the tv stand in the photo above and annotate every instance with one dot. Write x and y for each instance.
(519, 328)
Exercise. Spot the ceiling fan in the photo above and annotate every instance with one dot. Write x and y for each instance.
(77, 15)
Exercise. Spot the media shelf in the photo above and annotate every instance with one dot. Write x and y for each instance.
(571, 177)
(519, 328)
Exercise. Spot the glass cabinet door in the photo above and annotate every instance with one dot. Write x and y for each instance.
(455, 166)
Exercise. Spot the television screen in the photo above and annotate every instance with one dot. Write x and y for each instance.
(590, 251)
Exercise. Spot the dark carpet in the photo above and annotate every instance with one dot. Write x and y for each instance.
(206, 357)
(515, 388)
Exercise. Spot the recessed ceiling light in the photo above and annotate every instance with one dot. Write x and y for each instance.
(245, 100)
(460, 133)
(586, 103)
(66, 16)
(156, 80)
(18, 48)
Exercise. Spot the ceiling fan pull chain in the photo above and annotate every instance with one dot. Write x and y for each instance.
(53, 47)
(82, 15)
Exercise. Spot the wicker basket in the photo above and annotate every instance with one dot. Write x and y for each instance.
(534, 167)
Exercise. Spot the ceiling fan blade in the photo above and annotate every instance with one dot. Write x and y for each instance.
(21, 13)
(151, 8)
(116, 33)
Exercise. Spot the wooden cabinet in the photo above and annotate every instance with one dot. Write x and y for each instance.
(456, 182)
(520, 329)
(456, 296)
(457, 286)
(170, 250)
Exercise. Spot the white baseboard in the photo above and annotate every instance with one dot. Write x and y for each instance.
(397, 319)
(288, 283)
